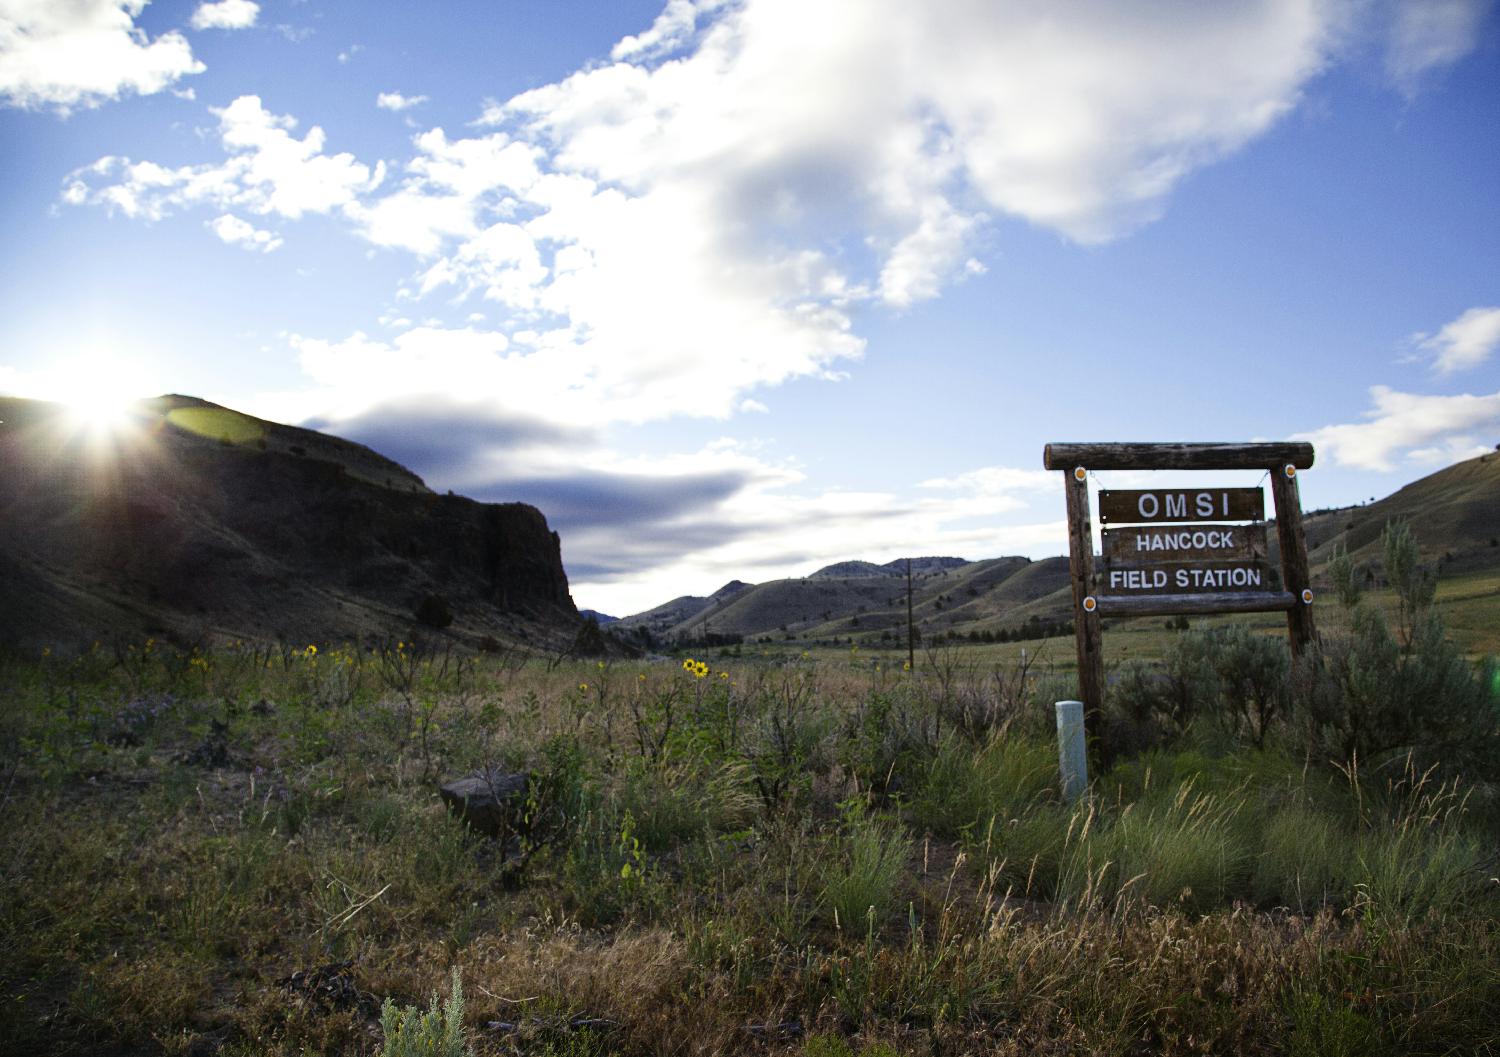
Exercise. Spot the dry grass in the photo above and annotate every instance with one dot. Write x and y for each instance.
(159, 898)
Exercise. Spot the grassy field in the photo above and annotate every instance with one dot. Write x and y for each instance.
(244, 853)
(1468, 604)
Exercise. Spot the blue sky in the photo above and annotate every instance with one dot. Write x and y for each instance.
(737, 288)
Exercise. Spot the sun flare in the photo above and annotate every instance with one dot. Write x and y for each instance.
(100, 411)
(99, 398)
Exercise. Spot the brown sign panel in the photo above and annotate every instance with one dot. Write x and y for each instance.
(1188, 578)
(1172, 543)
(1138, 506)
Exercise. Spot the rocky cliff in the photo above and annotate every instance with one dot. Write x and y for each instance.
(193, 520)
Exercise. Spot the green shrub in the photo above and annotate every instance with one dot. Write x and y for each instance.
(1321, 1027)
(1366, 697)
(1252, 671)
(1191, 851)
(1132, 704)
(1377, 696)
(827, 1045)
(1344, 576)
(1404, 870)
(687, 799)
(1146, 702)
(439, 1032)
(1415, 855)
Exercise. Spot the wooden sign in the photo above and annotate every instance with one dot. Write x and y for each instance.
(1157, 569)
(1187, 578)
(1134, 506)
(1132, 546)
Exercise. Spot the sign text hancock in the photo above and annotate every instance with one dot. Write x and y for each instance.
(1216, 542)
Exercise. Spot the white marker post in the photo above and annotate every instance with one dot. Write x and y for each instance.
(1072, 752)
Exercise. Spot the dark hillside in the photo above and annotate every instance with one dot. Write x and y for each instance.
(200, 522)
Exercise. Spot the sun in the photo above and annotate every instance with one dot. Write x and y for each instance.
(99, 411)
(100, 399)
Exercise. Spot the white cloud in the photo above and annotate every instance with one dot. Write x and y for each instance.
(1411, 428)
(268, 171)
(1081, 118)
(1428, 34)
(354, 375)
(708, 215)
(996, 480)
(234, 231)
(294, 34)
(83, 53)
(773, 526)
(447, 183)
(1466, 342)
(703, 226)
(89, 368)
(396, 101)
(672, 29)
(225, 14)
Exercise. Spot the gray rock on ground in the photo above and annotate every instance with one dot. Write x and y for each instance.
(489, 800)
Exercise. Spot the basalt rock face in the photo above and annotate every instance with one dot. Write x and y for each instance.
(200, 522)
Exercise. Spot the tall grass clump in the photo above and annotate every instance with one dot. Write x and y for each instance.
(1303, 860)
(1180, 847)
(965, 787)
(863, 873)
(1415, 856)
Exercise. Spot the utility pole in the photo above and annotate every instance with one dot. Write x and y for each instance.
(911, 632)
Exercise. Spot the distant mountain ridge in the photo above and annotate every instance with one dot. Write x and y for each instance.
(199, 521)
(845, 570)
(1454, 513)
(862, 600)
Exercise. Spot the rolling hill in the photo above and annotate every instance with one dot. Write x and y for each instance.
(861, 602)
(1455, 514)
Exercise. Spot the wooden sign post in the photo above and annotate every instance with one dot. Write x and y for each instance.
(1180, 555)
